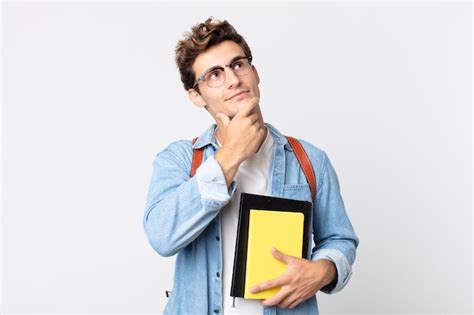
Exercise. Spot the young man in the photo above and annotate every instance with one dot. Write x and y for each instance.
(196, 216)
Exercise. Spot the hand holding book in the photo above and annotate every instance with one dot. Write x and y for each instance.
(302, 279)
(281, 275)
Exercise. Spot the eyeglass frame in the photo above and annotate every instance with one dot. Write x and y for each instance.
(201, 78)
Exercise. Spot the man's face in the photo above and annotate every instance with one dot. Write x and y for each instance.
(222, 99)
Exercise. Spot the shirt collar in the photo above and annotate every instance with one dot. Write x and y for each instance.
(208, 137)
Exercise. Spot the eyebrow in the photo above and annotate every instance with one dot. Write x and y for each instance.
(219, 66)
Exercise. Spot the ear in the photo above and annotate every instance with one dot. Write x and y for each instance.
(256, 74)
(196, 98)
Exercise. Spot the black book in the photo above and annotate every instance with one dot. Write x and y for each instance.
(261, 205)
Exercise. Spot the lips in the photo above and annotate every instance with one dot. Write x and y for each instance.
(237, 94)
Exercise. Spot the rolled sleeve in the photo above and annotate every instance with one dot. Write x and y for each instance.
(212, 184)
(344, 270)
(334, 236)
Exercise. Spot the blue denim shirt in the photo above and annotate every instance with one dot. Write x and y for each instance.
(182, 216)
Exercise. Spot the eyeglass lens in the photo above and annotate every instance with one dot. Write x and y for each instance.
(216, 77)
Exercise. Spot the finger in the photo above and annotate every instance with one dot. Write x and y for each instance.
(223, 119)
(277, 298)
(288, 300)
(256, 125)
(253, 117)
(270, 284)
(248, 107)
(295, 304)
(281, 256)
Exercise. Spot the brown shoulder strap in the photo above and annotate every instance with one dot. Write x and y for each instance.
(305, 163)
(198, 154)
(300, 153)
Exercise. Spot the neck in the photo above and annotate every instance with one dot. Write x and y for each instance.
(263, 140)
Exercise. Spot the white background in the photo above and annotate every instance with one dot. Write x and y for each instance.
(91, 93)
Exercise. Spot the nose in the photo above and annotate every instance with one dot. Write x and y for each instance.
(232, 80)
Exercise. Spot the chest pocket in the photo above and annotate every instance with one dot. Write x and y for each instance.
(297, 191)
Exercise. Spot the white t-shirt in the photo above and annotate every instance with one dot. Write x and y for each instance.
(251, 177)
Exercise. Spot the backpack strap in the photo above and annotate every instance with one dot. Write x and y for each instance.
(305, 164)
(198, 155)
(300, 153)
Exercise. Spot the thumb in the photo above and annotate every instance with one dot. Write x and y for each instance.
(223, 119)
(281, 256)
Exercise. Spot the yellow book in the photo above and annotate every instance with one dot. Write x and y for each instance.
(280, 229)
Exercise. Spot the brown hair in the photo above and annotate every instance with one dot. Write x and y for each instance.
(202, 36)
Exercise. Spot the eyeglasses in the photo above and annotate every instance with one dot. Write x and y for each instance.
(215, 76)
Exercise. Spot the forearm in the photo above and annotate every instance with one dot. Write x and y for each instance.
(179, 208)
(229, 164)
(178, 219)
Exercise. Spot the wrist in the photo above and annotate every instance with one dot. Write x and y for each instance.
(227, 158)
(330, 272)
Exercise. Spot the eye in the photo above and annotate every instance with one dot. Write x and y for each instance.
(214, 75)
(237, 65)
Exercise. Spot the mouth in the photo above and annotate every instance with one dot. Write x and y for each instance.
(236, 95)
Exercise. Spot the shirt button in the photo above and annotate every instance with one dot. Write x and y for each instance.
(218, 238)
(218, 274)
(216, 311)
